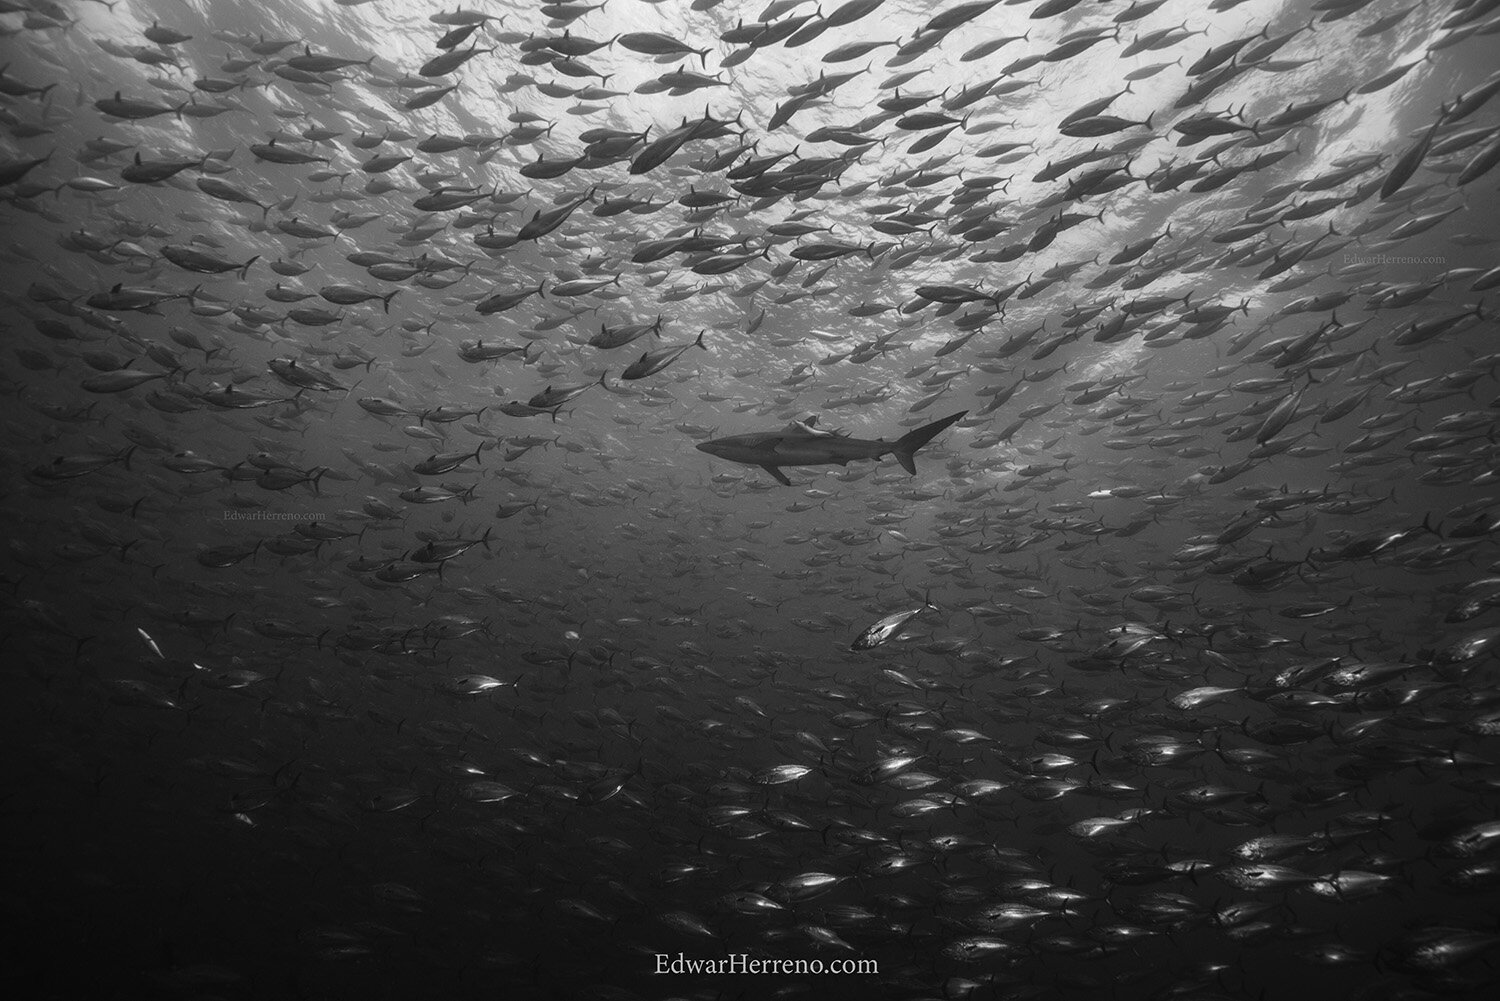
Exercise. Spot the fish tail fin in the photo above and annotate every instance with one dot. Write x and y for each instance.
(905, 448)
(245, 270)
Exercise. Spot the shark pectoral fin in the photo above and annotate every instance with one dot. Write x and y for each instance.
(776, 472)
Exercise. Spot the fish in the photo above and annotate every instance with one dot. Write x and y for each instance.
(349, 295)
(652, 362)
(121, 298)
(551, 398)
(190, 259)
(889, 627)
(804, 444)
(446, 462)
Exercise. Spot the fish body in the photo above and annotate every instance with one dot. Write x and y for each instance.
(801, 445)
(654, 361)
(887, 628)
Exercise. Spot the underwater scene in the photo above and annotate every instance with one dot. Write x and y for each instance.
(732, 499)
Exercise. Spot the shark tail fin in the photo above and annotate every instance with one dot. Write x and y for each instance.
(905, 447)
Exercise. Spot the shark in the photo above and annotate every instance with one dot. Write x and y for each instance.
(802, 443)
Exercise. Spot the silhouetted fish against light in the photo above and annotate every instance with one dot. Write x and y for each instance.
(802, 444)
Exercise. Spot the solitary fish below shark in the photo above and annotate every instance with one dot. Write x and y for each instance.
(801, 444)
(889, 626)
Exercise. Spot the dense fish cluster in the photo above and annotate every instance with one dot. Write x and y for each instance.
(436, 567)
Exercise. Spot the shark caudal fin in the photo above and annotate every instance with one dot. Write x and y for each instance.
(905, 447)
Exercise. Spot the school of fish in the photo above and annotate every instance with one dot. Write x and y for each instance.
(1006, 493)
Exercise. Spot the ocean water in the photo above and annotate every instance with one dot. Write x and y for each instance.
(353, 655)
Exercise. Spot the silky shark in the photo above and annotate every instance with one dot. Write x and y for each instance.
(801, 443)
